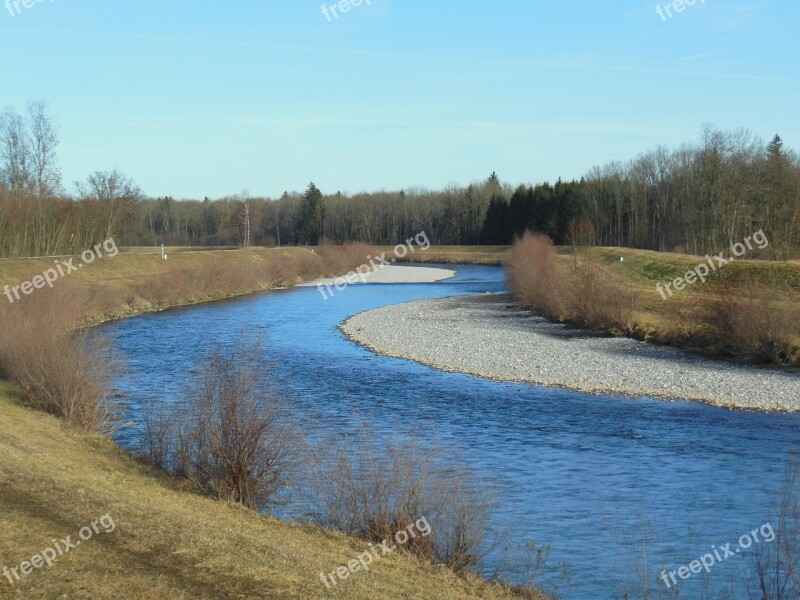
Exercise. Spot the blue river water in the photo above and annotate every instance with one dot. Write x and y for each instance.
(591, 476)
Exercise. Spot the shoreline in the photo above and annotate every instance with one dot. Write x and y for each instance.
(385, 275)
(485, 336)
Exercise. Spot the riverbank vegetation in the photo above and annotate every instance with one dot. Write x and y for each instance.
(66, 372)
(747, 309)
(454, 255)
(170, 542)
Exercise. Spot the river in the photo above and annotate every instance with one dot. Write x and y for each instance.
(585, 474)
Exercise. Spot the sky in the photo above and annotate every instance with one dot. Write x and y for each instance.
(199, 98)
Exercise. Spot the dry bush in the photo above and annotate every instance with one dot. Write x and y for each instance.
(587, 294)
(233, 274)
(220, 277)
(278, 271)
(62, 372)
(776, 563)
(309, 265)
(376, 492)
(69, 374)
(686, 327)
(158, 444)
(334, 259)
(744, 322)
(347, 257)
(159, 289)
(596, 299)
(230, 437)
(539, 581)
(534, 277)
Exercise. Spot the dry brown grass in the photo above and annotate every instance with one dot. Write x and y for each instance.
(747, 323)
(169, 543)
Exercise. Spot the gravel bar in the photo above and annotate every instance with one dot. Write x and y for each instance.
(488, 337)
(390, 274)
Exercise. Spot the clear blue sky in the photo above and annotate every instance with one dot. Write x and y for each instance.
(213, 98)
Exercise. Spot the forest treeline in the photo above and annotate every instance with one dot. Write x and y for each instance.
(697, 198)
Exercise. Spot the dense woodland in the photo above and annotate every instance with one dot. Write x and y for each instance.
(698, 198)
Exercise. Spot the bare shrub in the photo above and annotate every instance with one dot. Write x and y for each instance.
(236, 273)
(61, 372)
(334, 259)
(593, 299)
(746, 323)
(221, 277)
(534, 276)
(538, 580)
(158, 438)
(309, 265)
(376, 492)
(596, 299)
(776, 564)
(231, 437)
(278, 272)
(587, 294)
(69, 376)
(347, 257)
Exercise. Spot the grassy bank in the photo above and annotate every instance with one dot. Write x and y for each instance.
(455, 255)
(731, 314)
(168, 542)
(45, 300)
(746, 309)
(138, 280)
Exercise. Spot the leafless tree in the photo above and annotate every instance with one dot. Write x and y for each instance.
(116, 193)
(45, 174)
(14, 151)
(244, 221)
